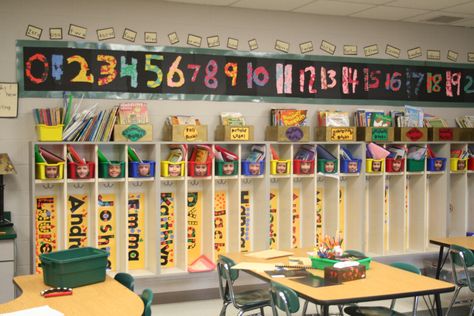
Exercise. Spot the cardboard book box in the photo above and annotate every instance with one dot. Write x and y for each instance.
(234, 133)
(336, 134)
(411, 134)
(185, 133)
(375, 134)
(133, 132)
(287, 133)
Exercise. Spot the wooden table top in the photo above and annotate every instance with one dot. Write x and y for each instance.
(104, 298)
(463, 241)
(381, 282)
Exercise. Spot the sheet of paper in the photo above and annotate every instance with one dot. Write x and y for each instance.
(256, 266)
(269, 254)
(36, 311)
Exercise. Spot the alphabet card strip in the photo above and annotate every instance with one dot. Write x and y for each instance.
(107, 227)
(46, 230)
(136, 231)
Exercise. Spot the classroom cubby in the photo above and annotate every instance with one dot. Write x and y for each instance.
(379, 213)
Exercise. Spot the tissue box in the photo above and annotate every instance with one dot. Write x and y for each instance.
(339, 275)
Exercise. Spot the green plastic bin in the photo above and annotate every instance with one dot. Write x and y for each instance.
(74, 267)
(415, 165)
(321, 263)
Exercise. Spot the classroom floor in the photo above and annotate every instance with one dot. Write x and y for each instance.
(213, 307)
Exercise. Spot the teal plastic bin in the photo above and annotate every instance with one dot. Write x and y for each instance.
(321, 263)
(74, 267)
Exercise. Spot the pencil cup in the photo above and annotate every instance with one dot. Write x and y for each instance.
(199, 169)
(49, 171)
(436, 164)
(143, 169)
(251, 168)
(327, 165)
(80, 171)
(458, 164)
(47, 133)
(112, 169)
(303, 166)
(374, 165)
(394, 165)
(280, 166)
(227, 168)
(172, 169)
(350, 166)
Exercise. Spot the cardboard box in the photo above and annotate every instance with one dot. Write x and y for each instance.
(339, 275)
(411, 134)
(133, 132)
(185, 133)
(287, 133)
(444, 134)
(234, 133)
(336, 134)
(375, 134)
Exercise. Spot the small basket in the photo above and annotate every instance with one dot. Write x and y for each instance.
(247, 168)
(220, 168)
(143, 169)
(165, 165)
(347, 166)
(322, 163)
(77, 171)
(394, 165)
(105, 166)
(458, 164)
(297, 166)
(369, 165)
(49, 133)
(49, 171)
(275, 164)
(433, 164)
(199, 169)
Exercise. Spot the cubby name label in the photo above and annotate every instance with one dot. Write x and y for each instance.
(177, 72)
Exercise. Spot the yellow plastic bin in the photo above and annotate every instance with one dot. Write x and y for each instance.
(49, 171)
(374, 165)
(280, 166)
(172, 169)
(457, 164)
(47, 133)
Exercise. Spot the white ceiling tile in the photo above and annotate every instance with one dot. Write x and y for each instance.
(388, 13)
(325, 7)
(278, 5)
(422, 18)
(463, 8)
(205, 2)
(368, 1)
(425, 4)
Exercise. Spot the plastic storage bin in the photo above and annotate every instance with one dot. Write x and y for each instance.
(458, 164)
(199, 169)
(327, 166)
(141, 169)
(436, 164)
(48, 133)
(74, 267)
(80, 171)
(394, 165)
(303, 166)
(321, 263)
(374, 165)
(414, 165)
(280, 166)
(111, 169)
(251, 168)
(49, 171)
(223, 168)
(350, 166)
(172, 169)
(470, 164)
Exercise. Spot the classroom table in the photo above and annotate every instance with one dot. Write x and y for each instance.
(103, 298)
(382, 282)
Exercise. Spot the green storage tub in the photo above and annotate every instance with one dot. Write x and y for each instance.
(321, 263)
(74, 267)
(415, 165)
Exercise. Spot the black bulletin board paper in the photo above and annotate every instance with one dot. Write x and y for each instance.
(170, 71)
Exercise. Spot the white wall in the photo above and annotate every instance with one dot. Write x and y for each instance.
(164, 18)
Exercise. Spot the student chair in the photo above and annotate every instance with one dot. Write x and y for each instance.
(461, 258)
(243, 301)
(126, 280)
(356, 310)
(284, 299)
(147, 298)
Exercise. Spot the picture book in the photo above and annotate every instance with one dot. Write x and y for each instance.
(201, 154)
(73, 156)
(305, 152)
(288, 117)
(396, 151)
(333, 118)
(223, 154)
(376, 151)
(345, 154)
(414, 116)
(232, 119)
(49, 156)
(182, 120)
(416, 152)
(133, 113)
(323, 153)
(133, 155)
(434, 121)
(381, 120)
